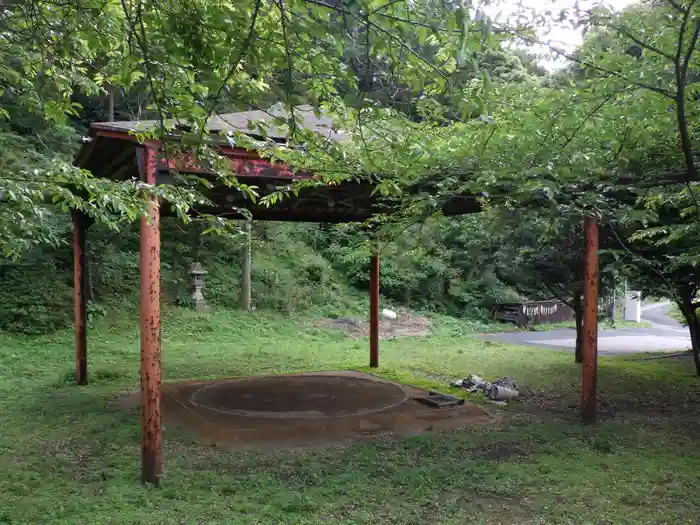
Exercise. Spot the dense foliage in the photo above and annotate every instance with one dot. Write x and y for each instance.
(432, 91)
(296, 269)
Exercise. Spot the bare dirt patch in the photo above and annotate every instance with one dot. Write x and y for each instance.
(302, 411)
(406, 324)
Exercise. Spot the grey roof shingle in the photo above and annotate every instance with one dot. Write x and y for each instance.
(226, 122)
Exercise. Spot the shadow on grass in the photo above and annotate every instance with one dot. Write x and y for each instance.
(668, 388)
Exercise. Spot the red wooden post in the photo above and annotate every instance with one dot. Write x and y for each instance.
(80, 225)
(152, 432)
(374, 310)
(590, 322)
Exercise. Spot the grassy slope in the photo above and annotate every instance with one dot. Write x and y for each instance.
(675, 313)
(70, 455)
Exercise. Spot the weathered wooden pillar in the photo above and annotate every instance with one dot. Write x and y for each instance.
(374, 310)
(590, 322)
(152, 432)
(80, 292)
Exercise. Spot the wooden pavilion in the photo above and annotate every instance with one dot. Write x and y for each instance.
(113, 151)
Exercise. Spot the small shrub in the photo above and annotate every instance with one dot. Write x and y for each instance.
(36, 296)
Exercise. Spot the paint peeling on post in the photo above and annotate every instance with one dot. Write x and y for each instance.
(80, 225)
(590, 322)
(374, 311)
(151, 422)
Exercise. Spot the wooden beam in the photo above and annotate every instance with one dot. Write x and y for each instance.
(374, 310)
(151, 421)
(589, 371)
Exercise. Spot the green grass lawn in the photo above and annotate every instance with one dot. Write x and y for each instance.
(70, 454)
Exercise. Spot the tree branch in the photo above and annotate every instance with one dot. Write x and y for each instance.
(681, 37)
(643, 44)
(691, 49)
(242, 51)
(681, 70)
(677, 6)
(590, 114)
(378, 12)
(290, 69)
(622, 30)
(558, 296)
(563, 54)
(646, 262)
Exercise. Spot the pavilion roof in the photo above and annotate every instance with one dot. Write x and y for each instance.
(112, 151)
(223, 124)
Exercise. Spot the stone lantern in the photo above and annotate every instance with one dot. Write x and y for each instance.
(197, 299)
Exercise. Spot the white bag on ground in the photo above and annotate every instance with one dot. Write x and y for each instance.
(389, 314)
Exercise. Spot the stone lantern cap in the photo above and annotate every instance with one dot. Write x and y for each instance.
(196, 269)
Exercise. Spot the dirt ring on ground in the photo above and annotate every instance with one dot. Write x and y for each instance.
(299, 397)
(299, 411)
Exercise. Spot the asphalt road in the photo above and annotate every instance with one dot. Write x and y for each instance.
(665, 335)
(657, 315)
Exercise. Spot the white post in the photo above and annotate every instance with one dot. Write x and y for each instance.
(633, 307)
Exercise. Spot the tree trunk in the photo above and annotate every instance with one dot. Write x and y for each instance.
(691, 318)
(110, 104)
(245, 270)
(89, 290)
(578, 310)
(695, 339)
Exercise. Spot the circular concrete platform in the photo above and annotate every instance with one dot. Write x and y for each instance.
(299, 396)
